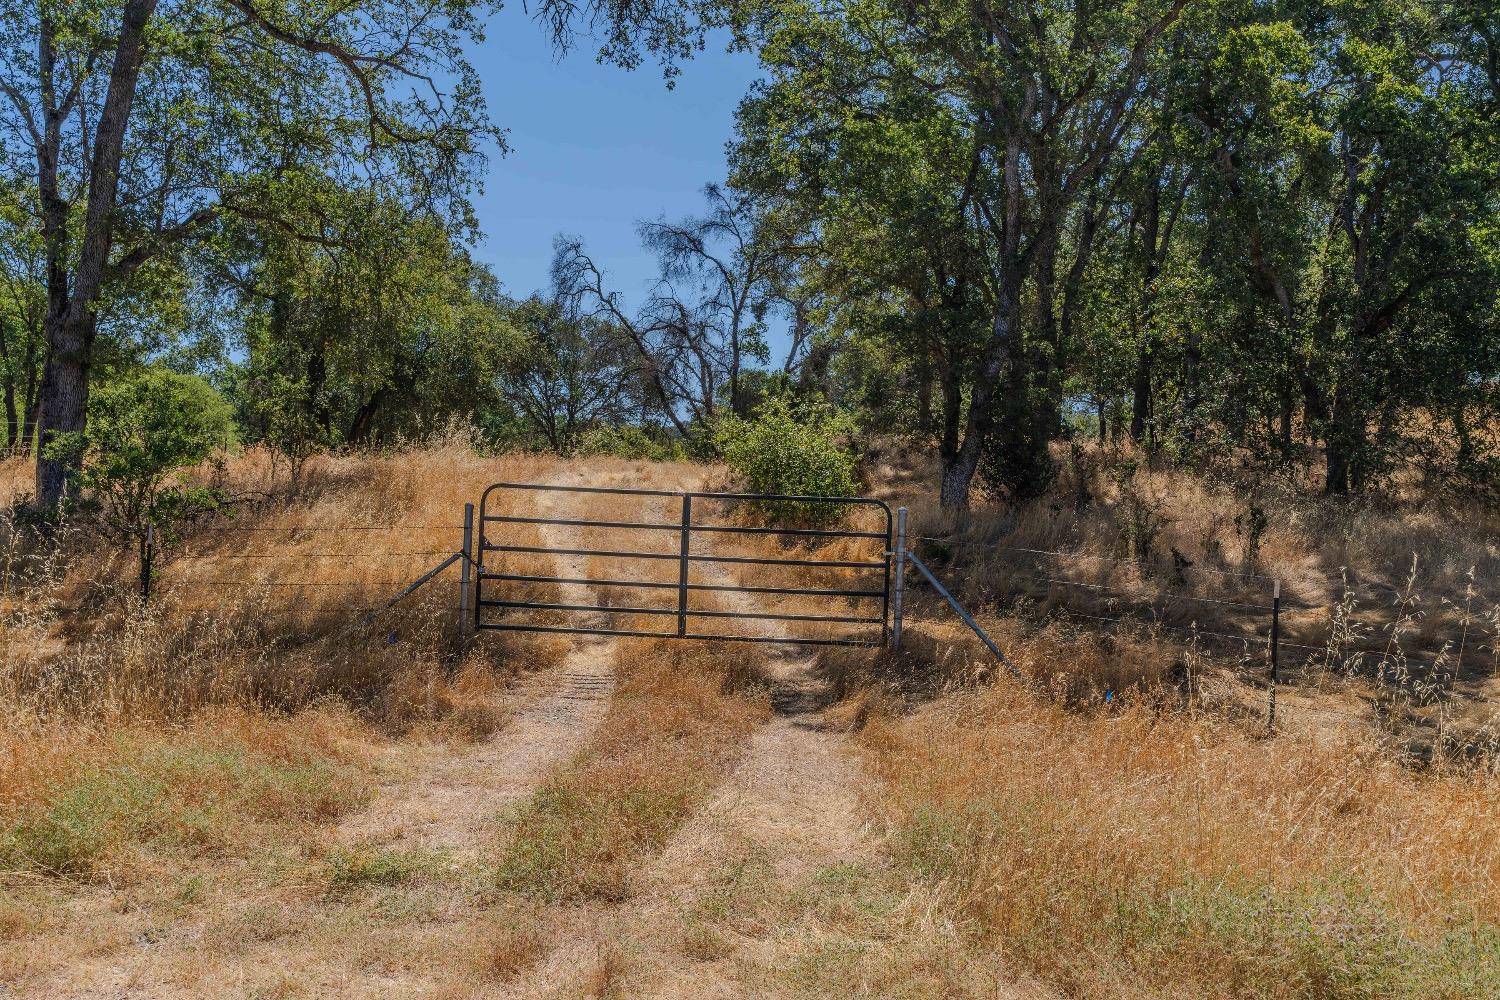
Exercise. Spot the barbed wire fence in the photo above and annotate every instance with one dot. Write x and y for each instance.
(376, 594)
(1253, 612)
(1254, 619)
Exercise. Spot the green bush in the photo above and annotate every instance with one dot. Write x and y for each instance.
(627, 441)
(795, 450)
(145, 430)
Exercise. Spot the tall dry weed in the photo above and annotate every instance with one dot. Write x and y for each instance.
(1146, 855)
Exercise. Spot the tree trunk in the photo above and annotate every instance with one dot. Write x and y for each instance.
(364, 418)
(735, 403)
(995, 370)
(958, 474)
(813, 373)
(12, 420)
(1140, 404)
(71, 320)
(65, 397)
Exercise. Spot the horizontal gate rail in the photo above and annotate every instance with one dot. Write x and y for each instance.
(617, 554)
(738, 497)
(686, 527)
(613, 553)
(568, 630)
(566, 522)
(803, 532)
(822, 563)
(666, 526)
(616, 609)
(665, 585)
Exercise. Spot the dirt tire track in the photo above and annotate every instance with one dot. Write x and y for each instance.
(447, 799)
(466, 795)
(794, 798)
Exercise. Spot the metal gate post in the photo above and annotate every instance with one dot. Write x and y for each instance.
(682, 567)
(465, 575)
(900, 587)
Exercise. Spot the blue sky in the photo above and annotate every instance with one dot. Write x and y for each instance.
(594, 149)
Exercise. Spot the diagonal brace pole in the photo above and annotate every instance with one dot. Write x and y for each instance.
(967, 618)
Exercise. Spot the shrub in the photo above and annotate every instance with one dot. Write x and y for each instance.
(627, 441)
(144, 431)
(794, 450)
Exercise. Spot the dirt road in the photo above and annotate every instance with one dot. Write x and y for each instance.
(773, 886)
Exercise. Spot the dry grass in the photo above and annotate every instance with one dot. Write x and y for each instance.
(264, 608)
(1121, 825)
(75, 802)
(503, 953)
(16, 476)
(672, 730)
(1391, 611)
(230, 716)
(172, 777)
(1141, 854)
(196, 754)
(1142, 529)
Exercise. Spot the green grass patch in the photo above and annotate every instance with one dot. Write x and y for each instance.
(581, 840)
(349, 870)
(167, 796)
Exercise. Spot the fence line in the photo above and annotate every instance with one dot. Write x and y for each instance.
(255, 584)
(308, 555)
(1162, 594)
(1109, 559)
(340, 527)
(1245, 640)
(1383, 655)
(1146, 609)
(1283, 643)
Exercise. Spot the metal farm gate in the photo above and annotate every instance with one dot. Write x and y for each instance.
(502, 592)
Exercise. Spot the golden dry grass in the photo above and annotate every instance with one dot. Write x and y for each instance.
(213, 740)
(1138, 854)
(77, 802)
(264, 607)
(16, 477)
(1391, 611)
(1142, 528)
